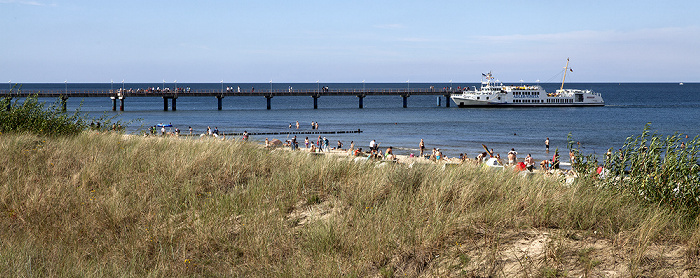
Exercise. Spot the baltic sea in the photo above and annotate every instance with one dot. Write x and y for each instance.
(669, 107)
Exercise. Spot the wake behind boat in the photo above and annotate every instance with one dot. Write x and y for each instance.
(494, 93)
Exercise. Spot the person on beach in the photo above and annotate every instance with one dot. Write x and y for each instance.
(245, 135)
(297, 124)
(190, 128)
(340, 145)
(326, 144)
(546, 145)
(306, 142)
(316, 125)
(267, 142)
(313, 125)
(389, 154)
(319, 142)
(421, 146)
(438, 155)
(373, 146)
(555, 160)
(529, 162)
(162, 130)
(512, 156)
(294, 143)
(208, 131)
(352, 146)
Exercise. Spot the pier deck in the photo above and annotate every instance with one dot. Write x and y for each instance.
(219, 94)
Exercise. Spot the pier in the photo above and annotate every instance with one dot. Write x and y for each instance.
(171, 96)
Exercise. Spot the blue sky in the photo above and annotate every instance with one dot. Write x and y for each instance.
(348, 41)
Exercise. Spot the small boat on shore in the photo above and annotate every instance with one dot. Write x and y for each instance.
(494, 93)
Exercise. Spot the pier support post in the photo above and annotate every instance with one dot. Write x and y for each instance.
(361, 98)
(405, 101)
(174, 103)
(447, 101)
(114, 103)
(269, 102)
(121, 104)
(64, 101)
(165, 104)
(9, 103)
(315, 101)
(219, 100)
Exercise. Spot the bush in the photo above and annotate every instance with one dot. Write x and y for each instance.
(31, 116)
(655, 168)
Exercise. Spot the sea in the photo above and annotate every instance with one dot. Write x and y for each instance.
(668, 107)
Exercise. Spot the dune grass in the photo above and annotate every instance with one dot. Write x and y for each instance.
(111, 205)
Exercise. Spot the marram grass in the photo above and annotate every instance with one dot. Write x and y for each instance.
(100, 205)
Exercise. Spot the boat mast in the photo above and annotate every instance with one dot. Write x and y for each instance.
(565, 70)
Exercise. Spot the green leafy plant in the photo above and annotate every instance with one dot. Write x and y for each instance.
(32, 116)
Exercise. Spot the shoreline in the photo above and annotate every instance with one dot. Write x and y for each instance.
(565, 167)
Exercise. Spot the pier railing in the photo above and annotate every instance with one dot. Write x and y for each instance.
(214, 92)
(219, 94)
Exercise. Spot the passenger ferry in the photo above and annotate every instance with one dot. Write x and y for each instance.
(494, 93)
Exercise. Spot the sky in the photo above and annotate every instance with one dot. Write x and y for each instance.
(348, 41)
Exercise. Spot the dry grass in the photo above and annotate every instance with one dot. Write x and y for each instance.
(110, 205)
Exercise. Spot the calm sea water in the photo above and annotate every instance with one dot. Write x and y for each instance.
(668, 106)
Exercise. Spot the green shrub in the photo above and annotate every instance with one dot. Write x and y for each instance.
(652, 167)
(31, 116)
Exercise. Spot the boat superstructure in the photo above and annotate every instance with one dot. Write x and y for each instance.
(493, 93)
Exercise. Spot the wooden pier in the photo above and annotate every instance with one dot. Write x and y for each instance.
(219, 95)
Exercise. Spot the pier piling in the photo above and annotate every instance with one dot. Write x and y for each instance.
(219, 100)
(269, 102)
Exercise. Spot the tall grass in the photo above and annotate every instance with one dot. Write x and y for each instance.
(112, 205)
